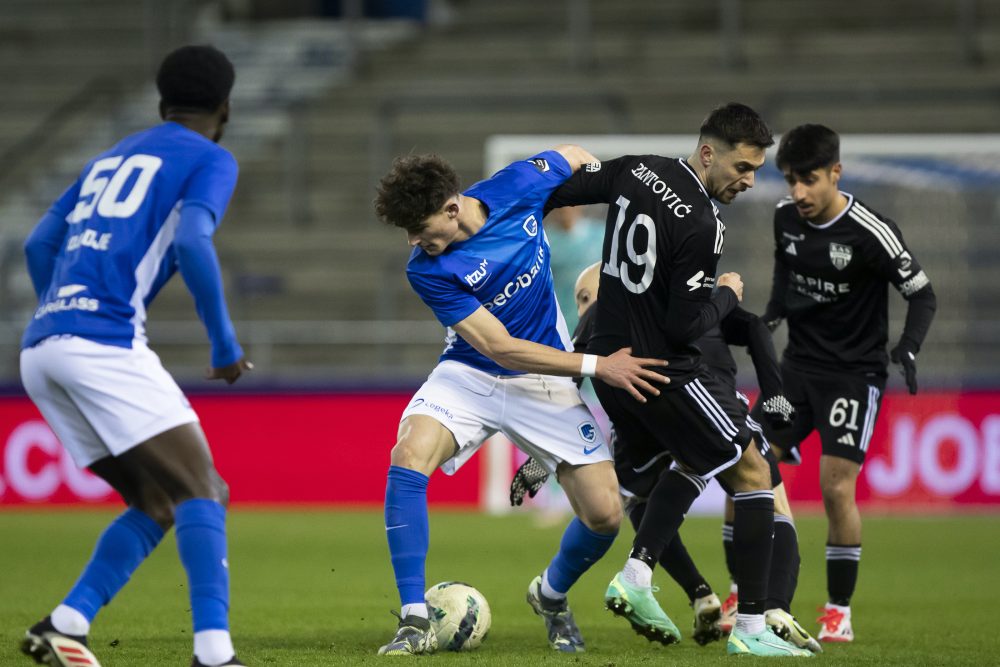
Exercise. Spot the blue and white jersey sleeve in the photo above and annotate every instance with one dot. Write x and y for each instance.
(43, 244)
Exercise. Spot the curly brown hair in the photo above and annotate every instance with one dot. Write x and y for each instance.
(416, 187)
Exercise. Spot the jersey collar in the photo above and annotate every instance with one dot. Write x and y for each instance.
(825, 225)
(697, 180)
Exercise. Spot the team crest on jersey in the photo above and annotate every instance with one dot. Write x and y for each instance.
(840, 255)
(531, 225)
(904, 264)
(587, 431)
(540, 163)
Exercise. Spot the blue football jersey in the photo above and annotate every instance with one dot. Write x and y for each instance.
(121, 217)
(504, 267)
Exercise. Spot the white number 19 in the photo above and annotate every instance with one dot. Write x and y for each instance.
(646, 260)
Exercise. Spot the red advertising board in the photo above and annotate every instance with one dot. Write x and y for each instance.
(277, 448)
(932, 451)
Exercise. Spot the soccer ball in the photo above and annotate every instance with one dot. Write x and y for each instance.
(459, 614)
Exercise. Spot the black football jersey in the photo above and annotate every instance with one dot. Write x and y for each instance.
(662, 243)
(831, 283)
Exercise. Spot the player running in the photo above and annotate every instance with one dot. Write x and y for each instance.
(481, 263)
(140, 211)
(834, 260)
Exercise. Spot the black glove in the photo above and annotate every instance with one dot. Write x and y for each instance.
(528, 479)
(907, 359)
(778, 412)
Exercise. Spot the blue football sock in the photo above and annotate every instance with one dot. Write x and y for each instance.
(406, 529)
(580, 548)
(120, 549)
(201, 543)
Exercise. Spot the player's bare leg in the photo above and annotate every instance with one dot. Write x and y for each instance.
(593, 493)
(422, 445)
(181, 462)
(838, 479)
(153, 478)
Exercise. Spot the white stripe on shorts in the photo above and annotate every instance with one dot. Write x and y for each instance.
(870, 413)
(698, 482)
(711, 408)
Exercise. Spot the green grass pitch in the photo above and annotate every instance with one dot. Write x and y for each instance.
(315, 588)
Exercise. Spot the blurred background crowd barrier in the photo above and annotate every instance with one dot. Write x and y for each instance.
(329, 91)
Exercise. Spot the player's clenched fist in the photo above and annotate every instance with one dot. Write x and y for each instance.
(733, 281)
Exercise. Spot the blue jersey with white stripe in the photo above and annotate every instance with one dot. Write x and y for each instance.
(504, 267)
(121, 217)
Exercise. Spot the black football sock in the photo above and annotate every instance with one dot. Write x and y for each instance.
(784, 564)
(727, 547)
(842, 562)
(676, 561)
(753, 530)
(670, 500)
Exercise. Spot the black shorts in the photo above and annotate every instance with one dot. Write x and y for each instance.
(842, 407)
(701, 425)
(636, 479)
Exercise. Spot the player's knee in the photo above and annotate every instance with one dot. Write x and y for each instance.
(160, 509)
(837, 492)
(751, 473)
(221, 491)
(605, 519)
(414, 454)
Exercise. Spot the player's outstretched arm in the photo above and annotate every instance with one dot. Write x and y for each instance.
(490, 337)
(199, 266)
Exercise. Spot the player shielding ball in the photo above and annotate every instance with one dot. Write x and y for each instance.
(637, 478)
(480, 261)
(140, 211)
(658, 294)
(834, 259)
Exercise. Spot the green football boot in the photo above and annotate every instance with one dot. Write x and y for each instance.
(764, 643)
(640, 608)
(788, 628)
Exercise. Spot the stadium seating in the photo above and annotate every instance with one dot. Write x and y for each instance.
(301, 242)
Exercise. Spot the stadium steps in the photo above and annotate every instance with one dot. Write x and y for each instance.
(659, 70)
(661, 58)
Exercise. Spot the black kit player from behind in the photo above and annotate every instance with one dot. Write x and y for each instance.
(663, 239)
(835, 258)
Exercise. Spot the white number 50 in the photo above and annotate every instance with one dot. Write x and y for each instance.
(104, 192)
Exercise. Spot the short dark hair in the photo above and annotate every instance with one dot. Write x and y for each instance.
(416, 187)
(736, 123)
(808, 147)
(195, 77)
